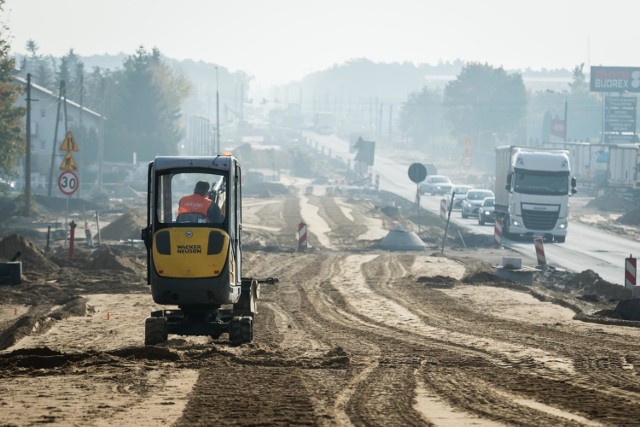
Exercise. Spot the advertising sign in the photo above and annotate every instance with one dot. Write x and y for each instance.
(620, 114)
(615, 79)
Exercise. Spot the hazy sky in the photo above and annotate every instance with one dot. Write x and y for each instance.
(281, 40)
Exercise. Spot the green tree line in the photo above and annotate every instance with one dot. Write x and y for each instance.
(486, 100)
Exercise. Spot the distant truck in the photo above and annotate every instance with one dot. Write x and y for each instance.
(324, 123)
(623, 163)
(532, 191)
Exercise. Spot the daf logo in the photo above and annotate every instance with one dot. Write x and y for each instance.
(189, 234)
(535, 208)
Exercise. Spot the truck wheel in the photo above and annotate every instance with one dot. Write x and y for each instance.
(559, 239)
(155, 330)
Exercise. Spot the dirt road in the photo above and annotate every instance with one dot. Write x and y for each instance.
(351, 335)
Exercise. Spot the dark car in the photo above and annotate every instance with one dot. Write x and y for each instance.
(487, 211)
(460, 193)
(471, 204)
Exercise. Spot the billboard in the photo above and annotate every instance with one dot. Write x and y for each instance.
(615, 79)
(620, 114)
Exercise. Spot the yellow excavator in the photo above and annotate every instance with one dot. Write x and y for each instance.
(194, 259)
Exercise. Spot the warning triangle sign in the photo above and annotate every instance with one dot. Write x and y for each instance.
(69, 143)
(68, 163)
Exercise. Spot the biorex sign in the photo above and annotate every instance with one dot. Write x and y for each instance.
(615, 79)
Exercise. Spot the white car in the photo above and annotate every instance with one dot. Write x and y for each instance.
(472, 203)
(436, 184)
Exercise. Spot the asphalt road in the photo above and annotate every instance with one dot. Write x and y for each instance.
(585, 248)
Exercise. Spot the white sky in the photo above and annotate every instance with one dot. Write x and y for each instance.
(281, 40)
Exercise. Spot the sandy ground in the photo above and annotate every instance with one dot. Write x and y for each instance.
(350, 335)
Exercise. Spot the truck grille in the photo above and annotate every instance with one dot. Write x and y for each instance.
(537, 220)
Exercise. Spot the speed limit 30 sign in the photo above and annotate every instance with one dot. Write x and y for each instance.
(68, 182)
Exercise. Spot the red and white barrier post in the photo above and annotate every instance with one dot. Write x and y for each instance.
(538, 242)
(497, 232)
(302, 236)
(630, 271)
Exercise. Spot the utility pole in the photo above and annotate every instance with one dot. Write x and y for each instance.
(81, 129)
(55, 139)
(101, 140)
(27, 157)
(566, 128)
(390, 121)
(217, 115)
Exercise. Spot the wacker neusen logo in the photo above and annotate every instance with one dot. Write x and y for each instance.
(189, 249)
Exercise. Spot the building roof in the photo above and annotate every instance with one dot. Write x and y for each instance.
(47, 92)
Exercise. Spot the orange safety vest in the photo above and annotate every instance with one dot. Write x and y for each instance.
(194, 203)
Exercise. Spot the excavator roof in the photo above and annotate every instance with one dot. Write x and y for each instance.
(221, 162)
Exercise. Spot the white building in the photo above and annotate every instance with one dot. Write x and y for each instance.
(82, 122)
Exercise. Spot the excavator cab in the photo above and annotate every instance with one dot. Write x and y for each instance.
(194, 258)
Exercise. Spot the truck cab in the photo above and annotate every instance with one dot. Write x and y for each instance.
(532, 198)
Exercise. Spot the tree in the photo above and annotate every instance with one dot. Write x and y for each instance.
(37, 65)
(11, 135)
(584, 109)
(484, 99)
(421, 116)
(579, 83)
(144, 117)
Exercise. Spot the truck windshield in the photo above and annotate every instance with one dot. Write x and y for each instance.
(550, 183)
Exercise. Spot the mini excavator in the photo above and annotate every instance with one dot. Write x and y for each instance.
(194, 260)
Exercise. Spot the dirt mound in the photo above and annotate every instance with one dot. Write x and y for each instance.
(104, 259)
(265, 189)
(128, 226)
(587, 285)
(33, 258)
(611, 201)
(630, 218)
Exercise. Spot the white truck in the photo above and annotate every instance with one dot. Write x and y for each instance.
(532, 191)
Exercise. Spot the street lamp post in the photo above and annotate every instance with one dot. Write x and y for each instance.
(566, 128)
(217, 115)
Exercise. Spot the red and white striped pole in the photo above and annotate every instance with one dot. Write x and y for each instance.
(497, 232)
(302, 236)
(538, 242)
(630, 272)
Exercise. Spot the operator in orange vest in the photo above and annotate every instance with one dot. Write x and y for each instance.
(198, 202)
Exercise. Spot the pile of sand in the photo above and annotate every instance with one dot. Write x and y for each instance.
(630, 218)
(612, 202)
(128, 226)
(103, 258)
(33, 258)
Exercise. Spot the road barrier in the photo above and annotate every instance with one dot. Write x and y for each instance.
(302, 236)
(630, 272)
(497, 232)
(443, 208)
(538, 242)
